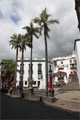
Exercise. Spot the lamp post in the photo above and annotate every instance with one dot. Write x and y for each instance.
(51, 90)
(50, 79)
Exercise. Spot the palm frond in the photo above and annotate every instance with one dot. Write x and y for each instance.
(47, 29)
(36, 35)
(41, 27)
(37, 30)
(36, 20)
(47, 16)
(53, 21)
(27, 28)
(29, 45)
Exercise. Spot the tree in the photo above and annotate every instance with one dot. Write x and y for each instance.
(23, 43)
(15, 43)
(31, 31)
(44, 22)
(8, 69)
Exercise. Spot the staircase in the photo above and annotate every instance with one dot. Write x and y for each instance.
(73, 85)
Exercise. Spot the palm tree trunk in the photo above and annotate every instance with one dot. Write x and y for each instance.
(16, 66)
(31, 61)
(46, 60)
(22, 69)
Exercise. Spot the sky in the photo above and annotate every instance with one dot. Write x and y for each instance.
(15, 14)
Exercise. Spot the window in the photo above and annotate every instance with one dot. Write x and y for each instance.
(39, 68)
(29, 75)
(38, 83)
(39, 71)
(55, 63)
(70, 61)
(30, 68)
(61, 62)
(25, 82)
(72, 65)
(23, 68)
(60, 68)
(74, 61)
(39, 75)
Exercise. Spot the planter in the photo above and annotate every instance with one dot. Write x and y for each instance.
(4, 90)
(51, 93)
(22, 95)
(31, 90)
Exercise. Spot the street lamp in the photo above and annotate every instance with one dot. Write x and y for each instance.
(51, 90)
(50, 73)
(50, 79)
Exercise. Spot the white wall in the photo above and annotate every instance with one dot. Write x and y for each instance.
(35, 73)
(66, 65)
(77, 52)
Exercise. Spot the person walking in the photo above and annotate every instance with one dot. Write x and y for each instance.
(11, 89)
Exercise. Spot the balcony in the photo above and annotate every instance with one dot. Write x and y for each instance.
(72, 63)
(29, 71)
(73, 68)
(62, 65)
(55, 64)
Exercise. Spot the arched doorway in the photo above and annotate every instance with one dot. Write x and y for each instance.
(60, 77)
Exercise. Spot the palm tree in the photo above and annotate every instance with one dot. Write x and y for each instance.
(15, 43)
(31, 31)
(44, 22)
(23, 43)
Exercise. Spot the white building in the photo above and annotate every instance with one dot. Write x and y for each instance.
(0, 73)
(38, 72)
(63, 67)
(77, 53)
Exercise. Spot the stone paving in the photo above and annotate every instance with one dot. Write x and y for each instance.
(22, 109)
(69, 100)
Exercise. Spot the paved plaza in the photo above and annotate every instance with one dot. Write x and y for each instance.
(69, 100)
(18, 108)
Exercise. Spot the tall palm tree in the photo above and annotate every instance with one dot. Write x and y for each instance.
(23, 43)
(44, 22)
(31, 31)
(15, 43)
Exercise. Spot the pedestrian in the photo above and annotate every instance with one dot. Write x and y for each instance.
(11, 89)
(20, 86)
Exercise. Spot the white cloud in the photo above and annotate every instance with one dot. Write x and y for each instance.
(61, 36)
